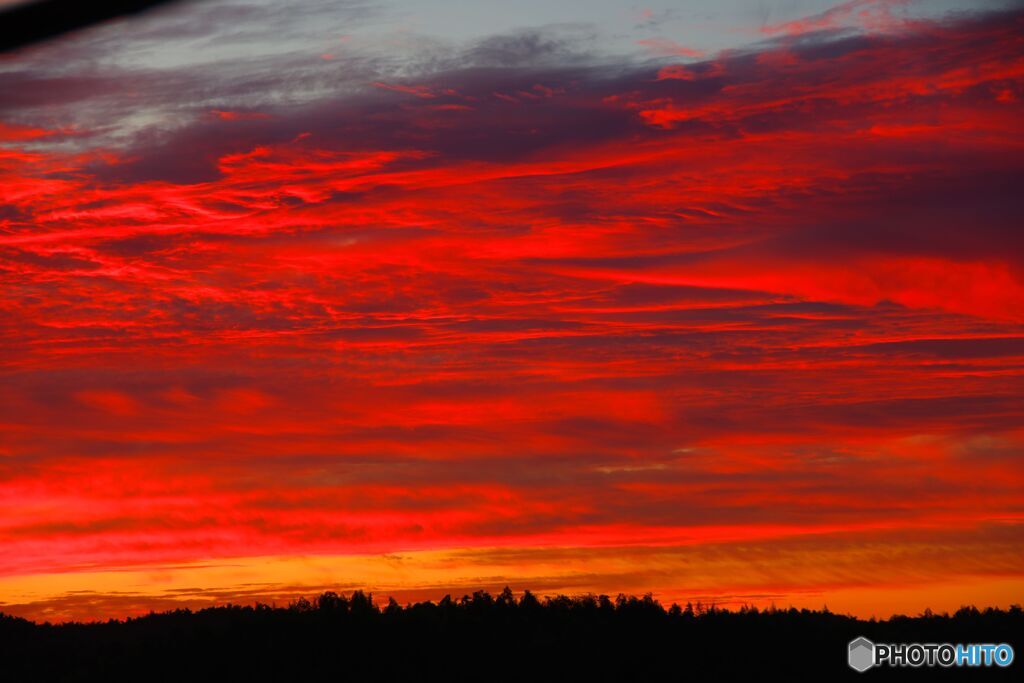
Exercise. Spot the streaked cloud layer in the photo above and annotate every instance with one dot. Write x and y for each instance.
(729, 324)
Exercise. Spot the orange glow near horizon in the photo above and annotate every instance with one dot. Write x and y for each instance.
(741, 330)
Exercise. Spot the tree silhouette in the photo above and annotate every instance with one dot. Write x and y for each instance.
(337, 637)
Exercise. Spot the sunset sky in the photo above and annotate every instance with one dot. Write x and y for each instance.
(720, 300)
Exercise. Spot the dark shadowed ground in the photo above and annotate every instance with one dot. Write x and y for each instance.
(486, 638)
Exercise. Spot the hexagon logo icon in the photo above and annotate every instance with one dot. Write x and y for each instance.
(861, 654)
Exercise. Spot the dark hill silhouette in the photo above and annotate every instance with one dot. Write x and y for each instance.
(485, 638)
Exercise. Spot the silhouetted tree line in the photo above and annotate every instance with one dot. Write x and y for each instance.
(484, 637)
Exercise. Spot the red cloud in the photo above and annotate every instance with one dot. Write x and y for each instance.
(773, 295)
(873, 15)
(669, 48)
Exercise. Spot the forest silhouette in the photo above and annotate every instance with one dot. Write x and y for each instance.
(484, 637)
